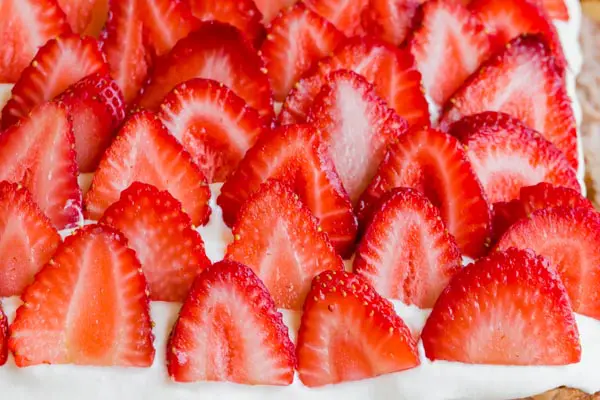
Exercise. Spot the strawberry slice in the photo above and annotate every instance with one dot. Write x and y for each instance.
(3, 337)
(449, 44)
(569, 238)
(390, 20)
(349, 332)
(436, 164)
(57, 65)
(38, 152)
(229, 330)
(506, 309)
(506, 155)
(215, 51)
(85, 16)
(295, 155)
(97, 107)
(345, 15)
(523, 81)
(556, 9)
(406, 252)
(270, 8)
(350, 115)
(26, 26)
(295, 41)
(390, 69)
(87, 306)
(27, 240)
(212, 123)
(284, 247)
(145, 151)
(170, 250)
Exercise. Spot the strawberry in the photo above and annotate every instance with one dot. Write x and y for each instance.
(215, 51)
(506, 155)
(212, 123)
(448, 44)
(27, 240)
(270, 8)
(406, 252)
(297, 156)
(87, 306)
(569, 238)
(284, 247)
(556, 9)
(390, 20)
(3, 337)
(295, 41)
(349, 332)
(97, 107)
(38, 152)
(26, 26)
(85, 16)
(57, 65)
(350, 116)
(523, 81)
(230, 330)
(145, 151)
(435, 164)
(390, 69)
(345, 15)
(508, 308)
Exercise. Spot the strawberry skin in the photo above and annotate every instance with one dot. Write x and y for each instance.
(345, 15)
(285, 246)
(3, 337)
(145, 151)
(27, 240)
(406, 252)
(170, 250)
(229, 330)
(212, 123)
(349, 332)
(390, 20)
(87, 306)
(508, 308)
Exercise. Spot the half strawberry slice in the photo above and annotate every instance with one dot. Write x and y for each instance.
(345, 15)
(390, 20)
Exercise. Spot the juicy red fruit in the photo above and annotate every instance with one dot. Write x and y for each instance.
(3, 337)
(85, 16)
(390, 20)
(345, 15)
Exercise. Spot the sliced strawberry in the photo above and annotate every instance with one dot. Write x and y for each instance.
(390, 20)
(436, 164)
(26, 26)
(506, 155)
(57, 65)
(556, 9)
(145, 151)
(390, 69)
(215, 51)
(212, 123)
(295, 155)
(285, 246)
(349, 332)
(449, 44)
(295, 41)
(523, 81)
(270, 8)
(39, 153)
(3, 337)
(345, 15)
(85, 16)
(509, 309)
(406, 252)
(87, 306)
(230, 330)
(357, 125)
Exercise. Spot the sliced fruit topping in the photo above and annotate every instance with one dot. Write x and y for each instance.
(349, 332)
(406, 252)
(284, 247)
(296, 156)
(506, 155)
(85, 16)
(523, 81)
(230, 330)
(506, 309)
(391, 70)
(170, 250)
(556, 9)
(27, 240)
(57, 65)
(215, 51)
(212, 123)
(3, 337)
(569, 238)
(87, 306)
(436, 165)
(357, 125)
(390, 20)
(270, 8)
(345, 15)
(97, 108)
(295, 41)
(145, 151)
(26, 26)
(39, 153)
